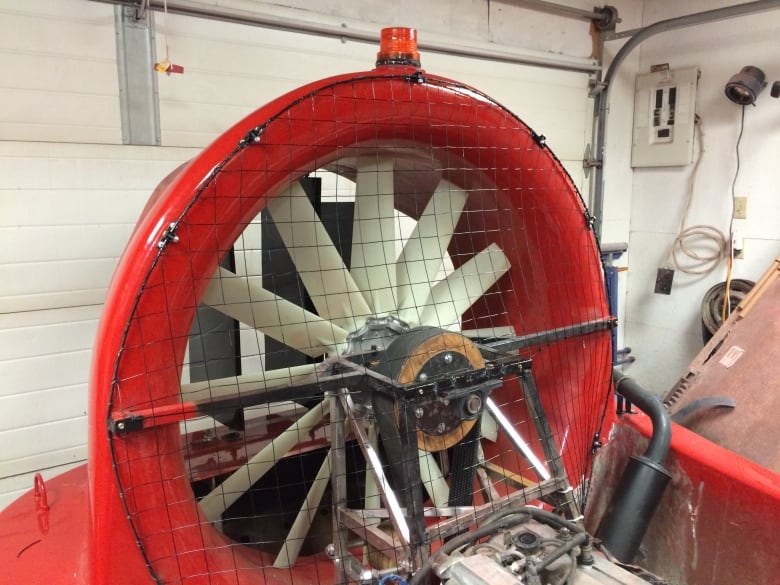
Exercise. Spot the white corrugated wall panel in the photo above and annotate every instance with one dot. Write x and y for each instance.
(59, 79)
(68, 210)
(43, 396)
(231, 70)
(223, 82)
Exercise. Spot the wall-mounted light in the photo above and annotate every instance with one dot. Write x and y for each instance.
(743, 87)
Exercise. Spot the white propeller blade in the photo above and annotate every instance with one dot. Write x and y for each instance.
(425, 249)
(221, 388)
(225, 494)
(450, 297)
(433, 479)
(240, 298)
(373, 233)
(329, 284)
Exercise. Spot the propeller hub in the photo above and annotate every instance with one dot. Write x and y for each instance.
(376, 335)
(428, 354)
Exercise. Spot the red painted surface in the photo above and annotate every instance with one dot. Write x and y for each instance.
(717, 521)
(58, 554)
(537, 220)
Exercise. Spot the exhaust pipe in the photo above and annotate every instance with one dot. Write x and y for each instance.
(644, 479)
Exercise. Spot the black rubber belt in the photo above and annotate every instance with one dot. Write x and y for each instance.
(464, 468)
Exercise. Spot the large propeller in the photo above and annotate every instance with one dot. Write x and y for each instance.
(408, 278)
(413, 285)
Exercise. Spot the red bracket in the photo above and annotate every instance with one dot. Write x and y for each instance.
(41, 504)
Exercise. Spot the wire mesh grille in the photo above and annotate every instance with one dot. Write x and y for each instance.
(377, 318)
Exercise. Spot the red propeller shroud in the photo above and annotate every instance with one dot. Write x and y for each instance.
(521, 199)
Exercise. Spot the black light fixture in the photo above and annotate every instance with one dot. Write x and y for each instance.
(743, 87)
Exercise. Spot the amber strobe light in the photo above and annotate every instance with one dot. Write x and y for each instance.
(398, 46)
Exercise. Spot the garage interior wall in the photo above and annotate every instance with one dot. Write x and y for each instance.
(664, 332)
(70, 191)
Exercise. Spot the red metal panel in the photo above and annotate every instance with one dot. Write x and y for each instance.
(717, 520)
(58, 554)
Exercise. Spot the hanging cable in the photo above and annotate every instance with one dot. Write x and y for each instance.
(165, 66)
(165, 27)
(691, 239)
(726, 310)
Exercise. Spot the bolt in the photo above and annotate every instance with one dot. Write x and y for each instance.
(330, 550)
(441, 428)
(121, 426)
(447, 358)
(473, 404)
(423, 377)
(419, 412)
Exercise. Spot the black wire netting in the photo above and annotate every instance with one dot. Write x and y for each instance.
(371, 318)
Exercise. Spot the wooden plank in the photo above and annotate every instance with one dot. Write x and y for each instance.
(740, 363)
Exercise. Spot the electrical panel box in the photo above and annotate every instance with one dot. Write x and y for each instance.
(664, 111)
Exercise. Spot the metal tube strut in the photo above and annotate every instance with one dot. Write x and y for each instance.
(561, 9)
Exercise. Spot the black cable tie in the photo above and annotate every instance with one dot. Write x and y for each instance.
(253, 136)
(540, 139)
(168, 236)
(416, 77)
(590, 220)
(596, 444)
(126, 425)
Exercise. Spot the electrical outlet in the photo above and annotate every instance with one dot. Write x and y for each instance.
(740, 207)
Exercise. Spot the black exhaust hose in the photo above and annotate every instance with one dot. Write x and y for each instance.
(644, 479)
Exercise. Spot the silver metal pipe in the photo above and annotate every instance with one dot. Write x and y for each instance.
(493, 53)
(516, 439)
(597, 186)
(554, 8)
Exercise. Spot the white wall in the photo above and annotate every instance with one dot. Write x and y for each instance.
(665, 331)
(69, 195)
(70, 192)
